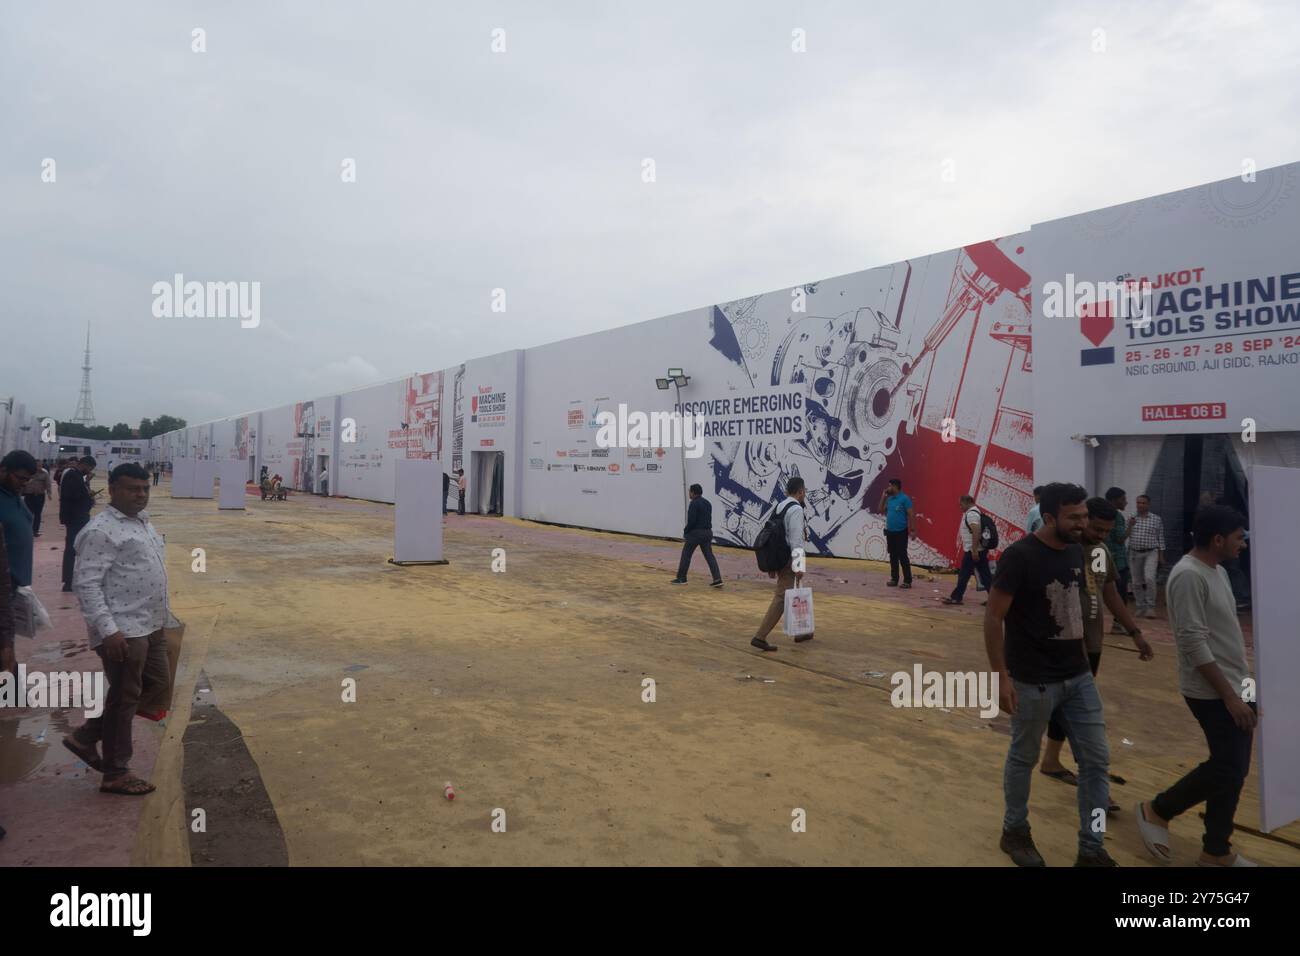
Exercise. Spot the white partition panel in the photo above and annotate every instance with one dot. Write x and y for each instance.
(417, 521)
(183, 478)
(231, 473)
(205, 477)
(1274, 530)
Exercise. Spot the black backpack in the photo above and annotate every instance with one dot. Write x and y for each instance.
(770, 547)
(988, 532)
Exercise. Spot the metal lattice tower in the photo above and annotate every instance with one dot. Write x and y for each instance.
(85, 414)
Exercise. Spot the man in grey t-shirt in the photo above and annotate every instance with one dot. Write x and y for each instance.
(1215, 680)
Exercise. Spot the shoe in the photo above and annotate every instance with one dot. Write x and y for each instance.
(905, 585)
(891, 584)
(980, 587)
(1117, 629)
(67, 587)
(763, 645)
(1097, 857)
(677, 581)
(716, 584)
(803, 637)
(1239, 861)
(1019, 845)
(949, 600)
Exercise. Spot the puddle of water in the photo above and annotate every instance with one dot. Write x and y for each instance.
(25, 742)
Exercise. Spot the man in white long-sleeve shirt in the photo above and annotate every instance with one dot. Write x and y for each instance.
(121, 582)
(1215, 680)
(796, 532)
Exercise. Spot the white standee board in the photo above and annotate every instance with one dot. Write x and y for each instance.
(1274, 530)
(231, 472)
(417, 517)
(183, 478)
(205, 478)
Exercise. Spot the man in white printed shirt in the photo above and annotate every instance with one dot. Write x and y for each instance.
(121, 582)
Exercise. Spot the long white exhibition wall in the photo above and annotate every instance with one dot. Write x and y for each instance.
(846, 382)
(365, 465)
(568, 479)
(277, 441)
(490, 420)
(922, 370)
(1221, 342)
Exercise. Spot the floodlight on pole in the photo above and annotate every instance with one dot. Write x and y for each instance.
(678, 378)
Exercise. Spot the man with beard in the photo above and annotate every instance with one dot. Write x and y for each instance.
(1213, 676)
(1099, 571)
(1033, 633)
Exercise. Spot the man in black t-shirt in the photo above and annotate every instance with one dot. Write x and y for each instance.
(1033, 632)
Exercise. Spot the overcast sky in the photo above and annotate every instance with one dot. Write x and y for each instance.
(523, 170)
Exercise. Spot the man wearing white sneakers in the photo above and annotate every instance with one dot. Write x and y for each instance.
(1213, 676)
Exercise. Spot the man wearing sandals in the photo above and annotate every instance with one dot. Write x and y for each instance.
(1212, 675)
(1101, 576)
(1033, 633)
(121, 582)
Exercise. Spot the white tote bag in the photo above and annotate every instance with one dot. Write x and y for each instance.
(30, 615)
(798, 612)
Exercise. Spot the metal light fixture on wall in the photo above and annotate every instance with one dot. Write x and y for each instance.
(678, 379)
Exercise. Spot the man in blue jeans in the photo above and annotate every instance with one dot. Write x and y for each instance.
(1033, 633)
(975, 556)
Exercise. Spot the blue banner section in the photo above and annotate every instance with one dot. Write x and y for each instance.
(1104, 356)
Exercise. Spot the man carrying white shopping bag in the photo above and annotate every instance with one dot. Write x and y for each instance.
(799, 613)
(783, 530)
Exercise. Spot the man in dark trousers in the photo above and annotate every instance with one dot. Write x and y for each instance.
(900, 527)
(698, 534)
(1214, 676)
(75, 502)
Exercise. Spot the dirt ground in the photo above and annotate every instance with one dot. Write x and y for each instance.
(523, 689)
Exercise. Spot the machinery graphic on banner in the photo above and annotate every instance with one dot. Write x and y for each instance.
(422, 416)
(869, 411)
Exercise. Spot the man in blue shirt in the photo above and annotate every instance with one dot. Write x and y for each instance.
(1035, 519)
(16, 469)
(900, 526)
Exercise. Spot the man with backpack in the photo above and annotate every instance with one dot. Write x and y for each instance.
(783, 530)
(979, 535)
